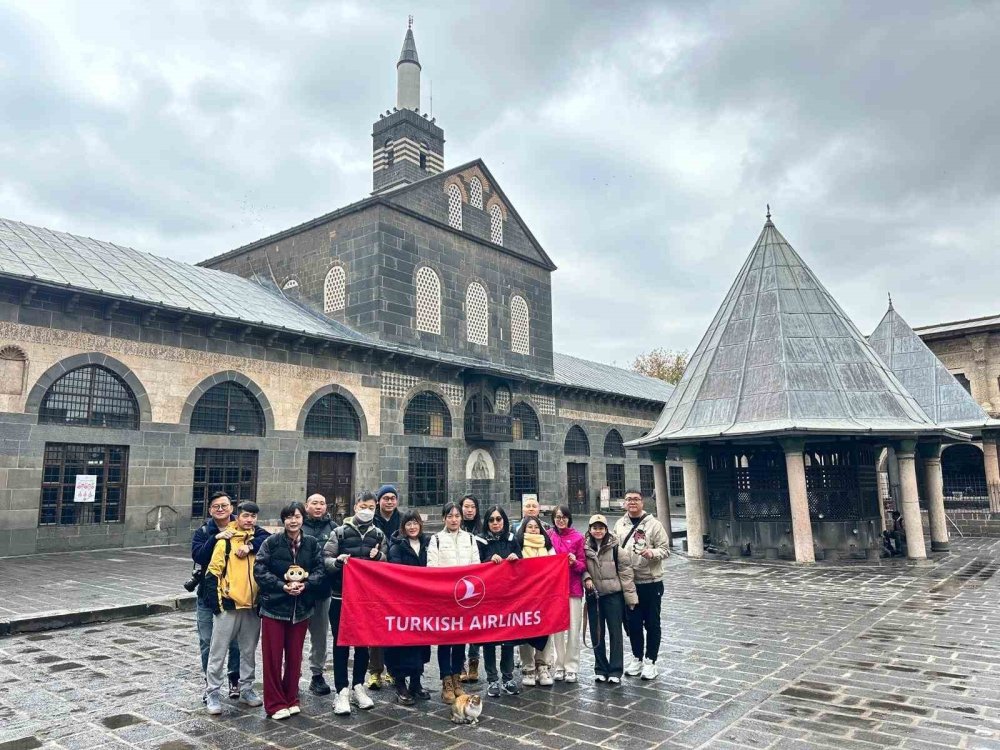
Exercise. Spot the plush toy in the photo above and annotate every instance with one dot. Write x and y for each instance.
(296, 574)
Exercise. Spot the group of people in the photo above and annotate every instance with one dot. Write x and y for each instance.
(274, 588)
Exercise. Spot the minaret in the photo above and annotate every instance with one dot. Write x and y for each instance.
(406, 146)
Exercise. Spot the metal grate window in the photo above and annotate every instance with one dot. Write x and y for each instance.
(502, 399)
(519, 328)
(228, 409)
(613, 445)
(496, 225)
(427, 414)
(616, 479)
(454, 207)
(647, 485)
(525, 425)
(62, 464)
(428, 300)
(476, 193)
(335, 290)
(576, 442)
(427, 480)
(477, 320)
(832, 481)
(230, 471)
(675, 476)
(333, 417)
(90, 396)
(523, 475)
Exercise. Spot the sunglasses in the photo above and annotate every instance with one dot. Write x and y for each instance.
(495, 519)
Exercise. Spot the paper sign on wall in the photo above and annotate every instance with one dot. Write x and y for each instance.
(86, 488)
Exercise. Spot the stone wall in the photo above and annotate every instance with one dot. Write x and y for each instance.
(977, 357)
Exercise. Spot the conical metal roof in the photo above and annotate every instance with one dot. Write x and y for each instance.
(941, 397)
(409, 52)
(782, 357)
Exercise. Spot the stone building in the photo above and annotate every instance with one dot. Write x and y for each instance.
(404, 339)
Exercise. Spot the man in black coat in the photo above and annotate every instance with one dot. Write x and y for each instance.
(387, 519)
(319, 525)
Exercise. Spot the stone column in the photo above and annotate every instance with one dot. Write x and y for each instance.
(934, 486)
(662, 493)
(693, 502)
(799, 500)
(990, 462)
(910, 501)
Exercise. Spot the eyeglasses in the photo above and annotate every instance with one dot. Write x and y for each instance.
(559, 518)
(220, 507)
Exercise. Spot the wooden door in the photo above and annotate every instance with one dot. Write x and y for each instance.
(332, 476)
(576, 488)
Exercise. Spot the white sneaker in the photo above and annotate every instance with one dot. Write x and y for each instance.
(649, 670)
(281, 713)
(544, 678)
(600, 678)
(528, 678)
(615, 680)
(559, 675)
(360, 697)
(342, 705)
(634, 667)
(571, 677)
(293, 710)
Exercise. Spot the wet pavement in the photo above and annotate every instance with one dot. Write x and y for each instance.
(755, 655)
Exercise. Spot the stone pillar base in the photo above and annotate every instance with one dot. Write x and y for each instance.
(939, 546)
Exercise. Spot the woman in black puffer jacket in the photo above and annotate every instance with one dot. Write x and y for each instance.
(496, 545)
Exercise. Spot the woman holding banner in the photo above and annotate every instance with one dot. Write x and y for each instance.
(449, 548)
(536, 652)
(406, 663)
(496, 545)
(567, 540)
(472, 523)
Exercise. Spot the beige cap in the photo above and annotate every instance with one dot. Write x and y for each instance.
(598, 518)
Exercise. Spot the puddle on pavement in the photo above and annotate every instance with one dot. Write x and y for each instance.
(175, 745)
(22, 743)
(121, 720)
(65, 666)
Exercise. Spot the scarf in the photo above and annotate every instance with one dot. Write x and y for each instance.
(534, 546)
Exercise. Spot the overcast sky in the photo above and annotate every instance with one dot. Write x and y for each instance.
(640, 142)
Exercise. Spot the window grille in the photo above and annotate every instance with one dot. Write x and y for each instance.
(427, 414)
(228, 409)
(647, 485)
(454, 207)
(525, 426)
(523, 475)
(335, 290)
(752, 483)
(576, 442)
(427, 478)
(496, 225)
(833, 481)
(676, 480)
(613, 445)
(62, 463)
(333, 417)
(519, 329)
(428, 300)
(502, 399)
(476, 193)
(616, 479)
(90, 396)
(290, 284)
(477, 314)
(231, 471)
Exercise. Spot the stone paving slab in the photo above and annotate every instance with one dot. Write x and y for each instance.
(755, 655)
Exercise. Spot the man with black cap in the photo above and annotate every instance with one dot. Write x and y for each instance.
(387, 520)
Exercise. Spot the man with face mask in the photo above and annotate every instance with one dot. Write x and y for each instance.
(387, 519)
(357, 537)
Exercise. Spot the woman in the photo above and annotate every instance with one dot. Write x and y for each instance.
(496, 545)
(449, 548)
(535, 653)
(610, 588)
(567, 540)
(408, 546)
(472, 523)
(285, 608)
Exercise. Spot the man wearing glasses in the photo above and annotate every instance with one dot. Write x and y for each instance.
(645, 541)
(220, 509)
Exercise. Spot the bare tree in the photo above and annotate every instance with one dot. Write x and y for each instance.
(665, 364)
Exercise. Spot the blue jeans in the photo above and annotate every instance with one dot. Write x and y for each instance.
(205, 617)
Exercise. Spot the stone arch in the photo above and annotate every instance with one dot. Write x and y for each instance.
(325, 391)
(455, 180)
(963, 470)
(437, 391)
(494, 201)
(221, 377)
(13, 370)
(60, 368)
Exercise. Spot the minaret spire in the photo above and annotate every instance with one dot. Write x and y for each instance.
(408, 73)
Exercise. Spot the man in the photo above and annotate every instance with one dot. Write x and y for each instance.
(387, 520)
(220, 508)
(230, 585)
(531, 508)
(645, 541)
(320, 526)
(357, 537)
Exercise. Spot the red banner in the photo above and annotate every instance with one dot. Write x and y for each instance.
(402, 605)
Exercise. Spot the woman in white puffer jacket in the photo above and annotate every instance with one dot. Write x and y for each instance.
(448, 549)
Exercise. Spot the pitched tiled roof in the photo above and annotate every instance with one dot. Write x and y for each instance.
(781, 356)
(582, 373)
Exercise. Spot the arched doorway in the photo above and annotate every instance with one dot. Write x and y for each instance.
(964, 475)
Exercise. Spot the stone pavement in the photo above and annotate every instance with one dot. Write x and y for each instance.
(755, 656)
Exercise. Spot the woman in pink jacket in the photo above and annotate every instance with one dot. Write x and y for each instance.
(567, 540)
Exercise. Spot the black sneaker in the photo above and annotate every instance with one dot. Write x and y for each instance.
(510, 687)
(493, 691)
(318, 686)
(234, 687)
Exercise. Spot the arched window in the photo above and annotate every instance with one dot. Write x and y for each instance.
(614, 446)
(496, 225)
(428, 300)
(228, 409)
(427, 414)
(476, 193)
(335, 290)
(477, 319)
(13, 370)
(454, 207)
(525, 423)
(576, 442)
(389, 155)
(90, 396)
(519, 329)
(333, 417)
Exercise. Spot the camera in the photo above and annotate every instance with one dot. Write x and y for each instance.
(197, 573)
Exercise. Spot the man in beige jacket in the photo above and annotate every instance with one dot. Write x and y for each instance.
(645, 541)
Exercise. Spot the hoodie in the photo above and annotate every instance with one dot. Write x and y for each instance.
(231, 577)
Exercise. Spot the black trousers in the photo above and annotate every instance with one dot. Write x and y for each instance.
(604, 618)
(342, 653)
(644, 620)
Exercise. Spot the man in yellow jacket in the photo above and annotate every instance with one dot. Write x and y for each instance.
(233, 592)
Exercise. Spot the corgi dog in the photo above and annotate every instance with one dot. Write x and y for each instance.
(466, 709)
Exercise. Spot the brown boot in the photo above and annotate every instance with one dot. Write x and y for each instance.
(457, 685)
(473, 670)
(448, 689)
(464, 677)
